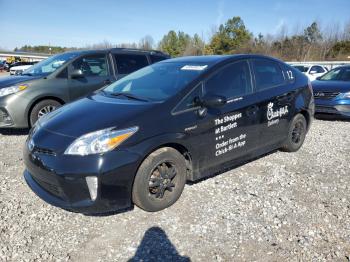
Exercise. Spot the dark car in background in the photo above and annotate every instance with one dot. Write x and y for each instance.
(140, 139)
(332, 92)
(63, 78)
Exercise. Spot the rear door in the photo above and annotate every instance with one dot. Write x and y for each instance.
(96, 74)
(276, 96)
(127, 63)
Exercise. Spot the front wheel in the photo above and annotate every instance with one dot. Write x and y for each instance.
(42, 108)
(296, 134)
(159, 180)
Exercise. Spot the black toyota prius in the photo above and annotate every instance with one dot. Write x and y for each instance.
(141, 138)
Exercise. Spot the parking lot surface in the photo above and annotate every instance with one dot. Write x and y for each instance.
(283, 206)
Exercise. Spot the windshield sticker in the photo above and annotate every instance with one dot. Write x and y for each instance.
(194, 67)
(273, 116)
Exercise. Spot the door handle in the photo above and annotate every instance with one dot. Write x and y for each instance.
(285, 98)
(107, 82)
(252, 110)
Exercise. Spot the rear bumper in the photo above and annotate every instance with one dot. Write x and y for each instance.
(340, 107)
(61, 180)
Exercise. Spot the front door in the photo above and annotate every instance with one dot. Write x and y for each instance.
(228, 132)
(96, 74)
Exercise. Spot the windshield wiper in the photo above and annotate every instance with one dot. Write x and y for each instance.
(130, 96)
(26, 74)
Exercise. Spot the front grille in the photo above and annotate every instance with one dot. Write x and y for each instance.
(326, 110)
(49, 187)
(44, 151)
(325, 95)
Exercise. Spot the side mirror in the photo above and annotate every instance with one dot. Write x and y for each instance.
(213, 101)
(313, 72)
(77, 73)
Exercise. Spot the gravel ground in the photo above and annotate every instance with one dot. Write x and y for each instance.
(283, 206)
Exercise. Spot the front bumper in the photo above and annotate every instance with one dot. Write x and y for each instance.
(14, 111)
(60, 180)
(336, 107)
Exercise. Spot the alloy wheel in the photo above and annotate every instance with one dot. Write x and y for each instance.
(45, 110)
(162, 180)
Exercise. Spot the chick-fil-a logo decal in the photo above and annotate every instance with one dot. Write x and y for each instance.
(273, 116)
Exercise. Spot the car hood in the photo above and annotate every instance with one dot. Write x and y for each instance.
(331, 86)
(93, 113)
(13, 80)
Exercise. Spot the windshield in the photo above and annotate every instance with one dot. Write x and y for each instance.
(302, 68)
(156, 82)
(49, 65)
(337, 74)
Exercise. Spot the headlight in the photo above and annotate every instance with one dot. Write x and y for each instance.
(344, 95)
(100, 141)
(11, 90)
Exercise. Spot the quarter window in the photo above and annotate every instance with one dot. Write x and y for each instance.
(267, 74)
(231, 81)
(94, 65)
(63, 74)
(189, 102)
(127, 64)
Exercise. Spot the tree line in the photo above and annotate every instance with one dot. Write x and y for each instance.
(232, 37)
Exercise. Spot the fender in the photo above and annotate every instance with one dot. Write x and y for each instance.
(175, 140)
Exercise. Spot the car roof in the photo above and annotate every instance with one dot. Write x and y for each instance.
(119, 50)
(212, 60)
(342, 66)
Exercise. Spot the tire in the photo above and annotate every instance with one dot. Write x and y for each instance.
(38, 109)
(296, 134)
(145, 192)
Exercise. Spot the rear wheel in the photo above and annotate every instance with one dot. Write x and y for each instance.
(42, 108)
(296, 134)
(160, 180)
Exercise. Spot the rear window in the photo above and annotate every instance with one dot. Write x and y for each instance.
(302, 69)
(267, 74)
(127, 64)
(156, 58)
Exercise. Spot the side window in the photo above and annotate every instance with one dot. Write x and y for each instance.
(317, 69)
(127, 64)
(92, 65)
(231, 81)
(345, 74)
(267, 74)
(188, 102)
(157, 58)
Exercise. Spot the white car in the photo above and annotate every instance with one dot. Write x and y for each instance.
(312, 71)
(17, 70)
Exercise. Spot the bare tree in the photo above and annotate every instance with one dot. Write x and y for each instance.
(146, 43)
